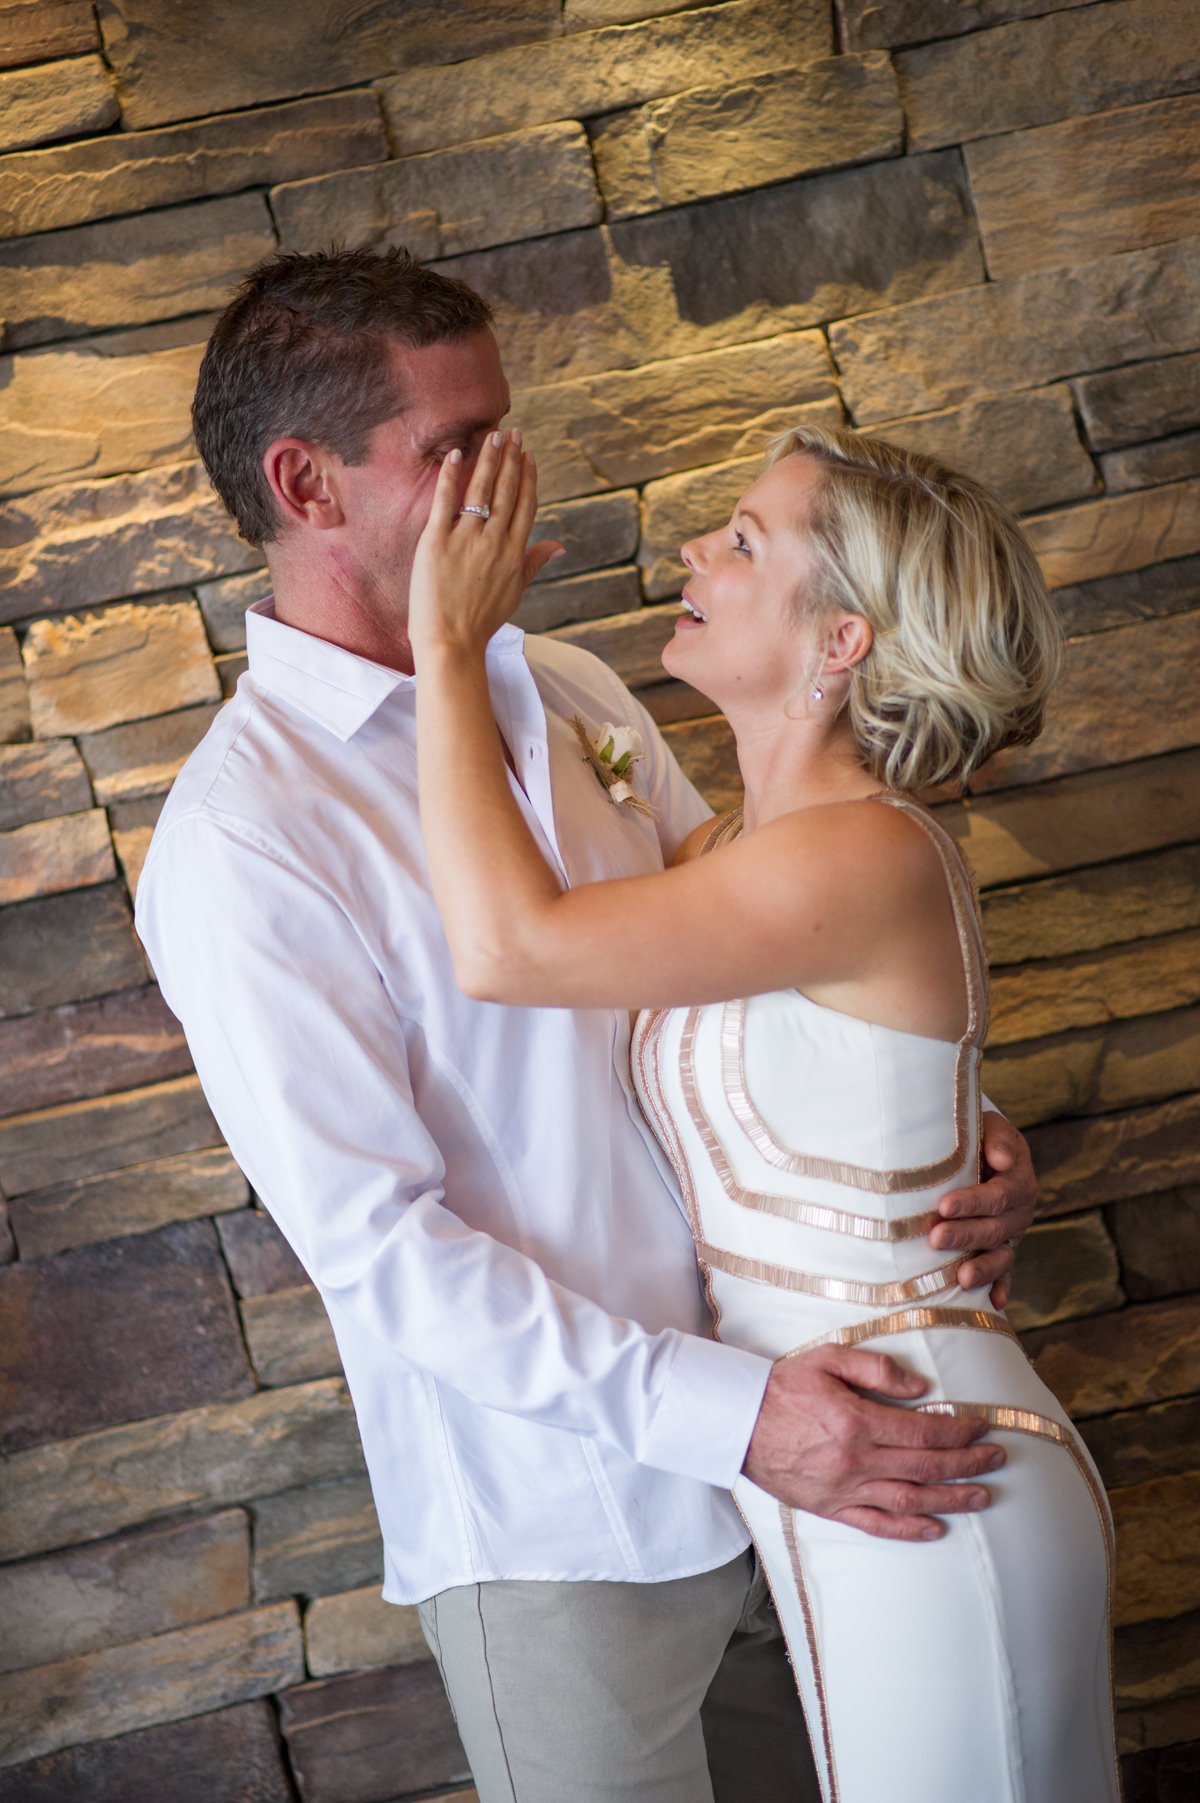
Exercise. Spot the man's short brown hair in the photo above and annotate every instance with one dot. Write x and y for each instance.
(301, 351)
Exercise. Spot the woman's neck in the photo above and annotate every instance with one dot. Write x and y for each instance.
(810, 765)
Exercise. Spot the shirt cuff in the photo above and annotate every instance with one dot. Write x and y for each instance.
(703, 1423)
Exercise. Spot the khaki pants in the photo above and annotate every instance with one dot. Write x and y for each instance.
(623, 1693)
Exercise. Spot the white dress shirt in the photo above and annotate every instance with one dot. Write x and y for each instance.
(472, 1188)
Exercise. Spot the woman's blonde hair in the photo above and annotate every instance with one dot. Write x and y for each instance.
(966, 640)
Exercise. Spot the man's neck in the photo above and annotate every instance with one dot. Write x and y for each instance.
(331, 610)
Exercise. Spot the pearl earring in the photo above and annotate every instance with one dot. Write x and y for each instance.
(818, 693)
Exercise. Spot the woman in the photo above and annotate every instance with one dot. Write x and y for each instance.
(813, 974)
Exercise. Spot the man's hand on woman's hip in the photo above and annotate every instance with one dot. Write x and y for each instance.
(987, 1219)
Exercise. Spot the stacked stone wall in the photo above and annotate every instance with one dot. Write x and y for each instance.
(975, 226)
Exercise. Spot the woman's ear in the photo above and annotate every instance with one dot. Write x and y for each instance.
(849, 639)
(303, 484)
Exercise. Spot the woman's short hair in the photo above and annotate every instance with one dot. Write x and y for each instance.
(966, 640)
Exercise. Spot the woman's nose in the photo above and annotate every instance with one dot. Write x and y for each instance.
(688, 553)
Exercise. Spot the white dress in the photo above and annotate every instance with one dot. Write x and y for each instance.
(812, 1149)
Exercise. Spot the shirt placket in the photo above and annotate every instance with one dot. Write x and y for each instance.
(519, 713)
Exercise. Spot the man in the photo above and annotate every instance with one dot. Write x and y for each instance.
(549, 1428)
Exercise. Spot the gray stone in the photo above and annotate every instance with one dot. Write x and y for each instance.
(1020, 333)
(1059, 194)
(631, 644)
(230, 671)
(86, 1139)
(121, 272)
(38, 782)
(1093, 908)
(1157, 1660)
(1095, 1070)
(174, 59)
(1056, 67)
(224, 605)
(1144, 1354)
(683, 507)
(878, 24)
(93, 1597)
(211, 1457)
(721, 140)
(91, 671)
(310, 1542)
(1128, 406)
(1163, 588)
(1064, 1269)
(289, 1337)
(708, 757)
(55, 100)
(579, 77)
(632, 426)
(48, 856)
(1135, 1154)
(522, 185)
(1024, 446)
(1117, 982)
(358, 1630)
(133, 824)
(91, 542)
(1135, 1445)
(63, 947)
(14, 702)
(33, 31)
(45, 190)
(137, 1200)
(372, 1735)
(87, 1048)
(186, 1671)
(1158, 1239)
(259, 1258)
(590, 597)
(145, 757)
(1146, 465)
(594, 533)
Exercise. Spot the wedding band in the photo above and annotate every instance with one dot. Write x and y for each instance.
(1011, 1244)
(484, 512)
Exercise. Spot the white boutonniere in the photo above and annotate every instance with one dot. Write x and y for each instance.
(612, 753)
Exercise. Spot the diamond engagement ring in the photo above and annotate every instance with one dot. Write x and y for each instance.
(484, 512)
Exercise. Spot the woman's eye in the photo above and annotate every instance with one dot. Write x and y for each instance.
(739, 544)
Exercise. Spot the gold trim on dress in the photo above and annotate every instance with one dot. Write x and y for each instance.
(908, 1320)
(788, 1524)
(834, 1289)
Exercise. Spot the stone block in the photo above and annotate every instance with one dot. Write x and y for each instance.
(87, 1049)
(1157, 1660)
(877, 24)
(138, 1200)
(590, 597)
(601, 71)
(145, 757)
(1144, 1354)
(1021, 333)
(1135, 1445)
(668, 702)
(55, 100)
(771, 128)
(122, 1590)
(631, 644)
(115, 1332)
(358, 1630)
(48, 856)
(8, 1248)
(34, 31)
(133, 824)
(1158, 1548)
(1079, 820)
(40, 782)
(1092, 908)
(1122, 695)
(1023, 446)
(708, 757)
(1160, 1725)
(522, 184)
(1146, 465)
(632, 426)
(595, 533)
(289, 1337)
(230, 671)
(683, 507)
(373, 1735)
(1158, 1239)
(174, 59)
(1128, 406)
(1097, 1070)
(1065, 1269)
(259, 1258)
(310, 1542)
(80, 944)
(87, 542)
(95, 670)
(1138, 1153)
(229, 1756)
(128, 271)
(86, 1139)
(1163, 588)
(1055, 67)
(1118, 982)
(224, 603)
(14, 702)
(185, 1671)
(225, 1453)
(1060, 194)
(45, 190)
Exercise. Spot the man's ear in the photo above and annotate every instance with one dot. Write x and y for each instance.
(303, 483)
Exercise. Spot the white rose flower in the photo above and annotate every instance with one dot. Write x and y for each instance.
(619, 746)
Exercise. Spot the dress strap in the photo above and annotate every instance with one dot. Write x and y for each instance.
(724, 828)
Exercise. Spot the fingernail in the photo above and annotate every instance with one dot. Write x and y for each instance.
(997, 1459)
(931, 1533)
(979, 1499)
(454, 457)
(497, 439)
(516, 437)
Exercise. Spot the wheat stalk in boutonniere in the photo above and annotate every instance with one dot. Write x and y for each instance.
(612, 754)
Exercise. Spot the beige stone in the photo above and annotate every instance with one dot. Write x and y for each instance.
(1064, 1269)
(632, 426)
(143, 758)
(601, 71)
(136, 1200)
(133, 824)
(224, 603)
(187, 1671)
(1139, 1153)
(1024, 446)
(589, 597)
(1063, 193)
(357, 1630)
(873, 24)
(1148, 465)
(1095, 1070)
(631, 644)
(707, 755)
(521, 185)
(1158, 1548)
(45, 190)
(1148, 1059)
(1092, 908)
(1140, 1355)
(1127, 406)
(121, 272)
(103, 1483)
(83, 1139)
(590, 15)
(720, 140)
(14, 699)
(1019, 333)
(314, 1541)
(41, 781)
(1116, 983)
(1050, 1078)
(49, 856)
(91, 671)
(289, 1337)
(55, 100)
(32, 31)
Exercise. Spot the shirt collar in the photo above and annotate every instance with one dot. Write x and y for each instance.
(336, 688)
